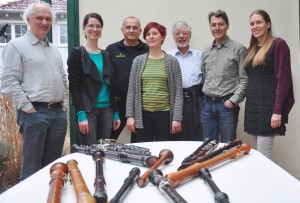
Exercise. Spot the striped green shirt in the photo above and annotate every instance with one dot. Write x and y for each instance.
(155, 93)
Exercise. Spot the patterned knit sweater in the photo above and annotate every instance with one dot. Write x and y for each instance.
(134, 98)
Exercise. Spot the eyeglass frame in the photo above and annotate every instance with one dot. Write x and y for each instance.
(177, 34)
(92, 26)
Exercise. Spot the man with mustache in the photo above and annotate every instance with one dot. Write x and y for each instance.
(190, 65)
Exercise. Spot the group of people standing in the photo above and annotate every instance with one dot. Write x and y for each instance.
(182, 94)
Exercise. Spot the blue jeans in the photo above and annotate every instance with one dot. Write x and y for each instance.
(43, 135)
(217, 119)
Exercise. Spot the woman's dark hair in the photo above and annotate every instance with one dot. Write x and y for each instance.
(92, 15)
(161, 29)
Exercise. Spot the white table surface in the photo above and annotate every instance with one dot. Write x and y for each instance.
(249, 179)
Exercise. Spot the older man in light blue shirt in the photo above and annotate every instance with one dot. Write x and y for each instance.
(34, 78)
(190, 65)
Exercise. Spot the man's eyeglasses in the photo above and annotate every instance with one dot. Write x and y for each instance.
(181, 33)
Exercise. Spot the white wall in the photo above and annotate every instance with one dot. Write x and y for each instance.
(285, 18)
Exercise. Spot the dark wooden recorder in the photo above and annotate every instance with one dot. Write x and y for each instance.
(100, 193)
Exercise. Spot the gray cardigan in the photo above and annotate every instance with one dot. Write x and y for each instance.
(134, 96)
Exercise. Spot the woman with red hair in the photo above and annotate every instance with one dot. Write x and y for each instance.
(154, 99)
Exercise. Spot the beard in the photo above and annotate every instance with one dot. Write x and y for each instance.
(182, 45)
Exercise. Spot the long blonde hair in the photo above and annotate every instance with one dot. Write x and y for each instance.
(259, 57)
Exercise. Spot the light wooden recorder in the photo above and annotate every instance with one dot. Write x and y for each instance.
(165, 157)
(192, 171)
(82, 192)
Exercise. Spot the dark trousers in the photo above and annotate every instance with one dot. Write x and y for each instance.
(191, 115)
(156, 127)
(121, 104)
(100, 125)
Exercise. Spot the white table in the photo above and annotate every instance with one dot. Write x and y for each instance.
(249, 179)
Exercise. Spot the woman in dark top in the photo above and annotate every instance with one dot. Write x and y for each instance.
(90, 73)
(269, 93)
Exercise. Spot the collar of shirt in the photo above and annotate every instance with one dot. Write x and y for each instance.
(225, 43)
(190, 65)
(35, 40)
(122, 45)
(189, 52)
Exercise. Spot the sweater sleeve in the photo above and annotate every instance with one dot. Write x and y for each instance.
(75, 74)
(12, 78)
(131, 89)
(178, 105)
(283, 75)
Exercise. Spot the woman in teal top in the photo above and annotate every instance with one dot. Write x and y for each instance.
(154, 99)
(90, 73)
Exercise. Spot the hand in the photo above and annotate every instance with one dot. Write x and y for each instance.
(130, 124)
(32, 110)
(276, 121)
(176, 127)
(84, 127)
(228, 104)
(116, 124)
(63, 109)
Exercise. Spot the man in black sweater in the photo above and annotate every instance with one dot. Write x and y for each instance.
(122, 54)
